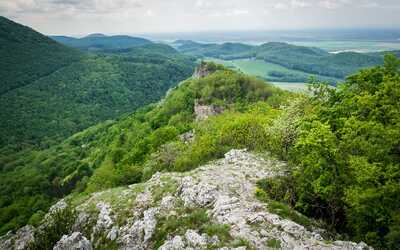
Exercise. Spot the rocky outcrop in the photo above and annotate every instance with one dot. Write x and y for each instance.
(187, 137)
(131, 217)
(202, 71)
(75, 241)
(205, 111)
(20, 240)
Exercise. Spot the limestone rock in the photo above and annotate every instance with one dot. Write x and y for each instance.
(167, 203)
(197, 195)
(195, 240)
(24, 236)
(187, 137)
(205, 111)
(175, 244)
(149, 222)
(201, 71)
(76, 241)
(104, 220)
(113, 234)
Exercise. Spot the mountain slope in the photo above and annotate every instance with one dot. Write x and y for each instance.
(27, 56)
(96, 42)
(211, 207)
(50, 96)
(122, 152)
(340, 145)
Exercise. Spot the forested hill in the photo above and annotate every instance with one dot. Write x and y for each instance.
(339, 168)
(302, 59)
(96, 42)
(50, 91)
(27, 55)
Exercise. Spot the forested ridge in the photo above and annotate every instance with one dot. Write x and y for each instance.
(50, 92)
(341, 146)
(26, 55)
(101, 42)
(306, 59)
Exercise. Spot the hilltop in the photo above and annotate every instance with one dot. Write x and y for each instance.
(98, 42)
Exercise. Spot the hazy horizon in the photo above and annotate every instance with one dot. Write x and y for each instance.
(80, 17)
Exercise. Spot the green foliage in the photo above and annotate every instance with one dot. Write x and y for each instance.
(345, 157)
(220, 230)
(26, 56)
(274, 243)
(86, 92)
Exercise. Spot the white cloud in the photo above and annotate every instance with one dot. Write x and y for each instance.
(150, 13)
(280, 6)
(131, 16)
(299, 4)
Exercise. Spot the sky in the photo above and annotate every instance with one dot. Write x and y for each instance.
(78, 17)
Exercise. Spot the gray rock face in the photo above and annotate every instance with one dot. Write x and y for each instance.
(75, 241)
(205, 111)
(201, 71)
(104, 220)
(187, 137)
(197, 195)
(167, 203)
(23, 237)
(175, 244)
(195, 240)
(19, 241)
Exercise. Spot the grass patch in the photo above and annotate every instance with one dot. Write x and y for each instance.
(274, 243)
(285, 211)
(220, 230)
(178, 224)
(168, 186)
(196, 219)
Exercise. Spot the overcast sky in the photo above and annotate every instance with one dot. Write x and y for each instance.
(76, 17)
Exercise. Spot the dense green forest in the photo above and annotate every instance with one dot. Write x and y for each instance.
(26, 55)
(342, 146)
(101, 42)
(50, 92)
(306, 59)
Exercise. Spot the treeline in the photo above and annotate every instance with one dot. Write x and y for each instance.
(343, 147)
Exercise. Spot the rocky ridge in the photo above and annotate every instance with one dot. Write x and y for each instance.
(221, 194)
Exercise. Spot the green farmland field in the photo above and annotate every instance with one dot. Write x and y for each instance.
(265, 70)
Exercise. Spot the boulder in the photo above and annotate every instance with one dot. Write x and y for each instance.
(75, 241)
